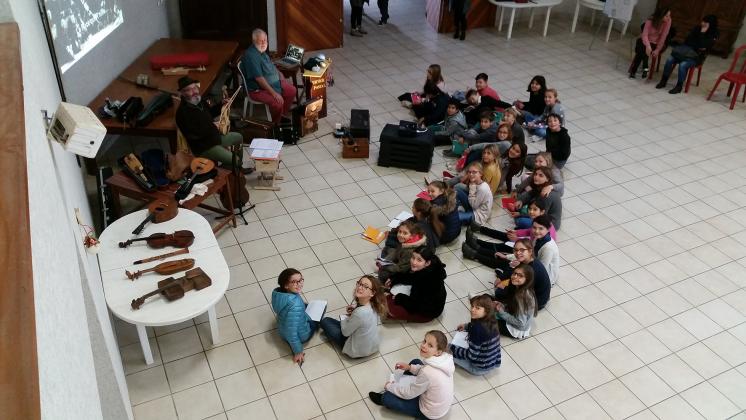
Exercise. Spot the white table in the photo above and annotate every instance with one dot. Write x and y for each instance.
(594, 5)
(157, 311)
(533, 5)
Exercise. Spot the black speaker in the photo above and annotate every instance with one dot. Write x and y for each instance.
(360, 123)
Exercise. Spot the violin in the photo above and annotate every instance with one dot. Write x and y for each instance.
(172, 289)
(178, 239)
(159, 211)
(198, 166)
(169, 267)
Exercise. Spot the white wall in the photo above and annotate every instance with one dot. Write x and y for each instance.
(80, 372)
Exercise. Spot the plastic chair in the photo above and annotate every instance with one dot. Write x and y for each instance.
(734, 78)
(690, 75)
(248, 102)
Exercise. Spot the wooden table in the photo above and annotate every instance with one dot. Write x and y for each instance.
(156, 311)
(163, 125)
(121, 184)
(533, 5)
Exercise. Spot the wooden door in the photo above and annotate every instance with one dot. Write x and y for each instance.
(314, 27)
(688, 13)
(223, 20)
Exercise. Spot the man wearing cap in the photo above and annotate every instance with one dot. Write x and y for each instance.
(196, 120)
(264, 82)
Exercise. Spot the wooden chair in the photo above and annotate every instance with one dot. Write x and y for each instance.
(734, 78)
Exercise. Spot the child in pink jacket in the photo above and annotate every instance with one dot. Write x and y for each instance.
(431, 393)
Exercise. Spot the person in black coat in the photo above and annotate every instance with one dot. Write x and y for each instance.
(194, 118)
(692, 53)
(427, 298)
(477, 104)
(434, 104)
(558, 141)
(535, 105)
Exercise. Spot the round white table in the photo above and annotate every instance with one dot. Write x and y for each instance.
(533, 5)
(157, 311)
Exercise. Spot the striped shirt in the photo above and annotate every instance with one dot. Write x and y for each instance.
(484, 347)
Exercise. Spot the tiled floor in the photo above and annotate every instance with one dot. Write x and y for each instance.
(647, 320)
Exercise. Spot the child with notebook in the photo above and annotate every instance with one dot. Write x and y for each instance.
(483, 353)
(293, 323)
(396, 260)
(357, 333)
(430, 395)
(515, 316)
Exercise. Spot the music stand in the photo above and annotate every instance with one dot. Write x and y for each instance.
(236, 169)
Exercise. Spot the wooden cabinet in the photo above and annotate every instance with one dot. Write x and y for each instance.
(688, 13)
(481, 14)
(224, 20)
(313, 25)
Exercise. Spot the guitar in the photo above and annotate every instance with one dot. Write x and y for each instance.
(198, 166)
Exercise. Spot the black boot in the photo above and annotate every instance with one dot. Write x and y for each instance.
(662, 83)
(676, 89)
(463, 34)
(376, 398)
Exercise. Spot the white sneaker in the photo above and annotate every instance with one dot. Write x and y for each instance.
(534, 138)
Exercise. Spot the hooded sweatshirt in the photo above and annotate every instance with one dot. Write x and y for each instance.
(433, 384)
(292, 320)
(445, 209)
(400, 257)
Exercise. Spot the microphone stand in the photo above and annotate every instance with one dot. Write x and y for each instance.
(236, 169)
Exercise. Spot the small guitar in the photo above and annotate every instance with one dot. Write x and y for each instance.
(198, 166)
(159, 211)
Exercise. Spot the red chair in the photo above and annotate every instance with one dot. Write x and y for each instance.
(690, 74)
(733, 78)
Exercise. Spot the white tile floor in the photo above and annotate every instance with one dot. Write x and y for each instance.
(647, 320)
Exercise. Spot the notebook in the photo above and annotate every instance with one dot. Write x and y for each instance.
(293, 56)
(459, 339)
(374, 235)
(315, 309)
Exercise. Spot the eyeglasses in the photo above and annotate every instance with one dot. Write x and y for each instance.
(297, 281)
(518, 274)
(516, 250)
(363, 285)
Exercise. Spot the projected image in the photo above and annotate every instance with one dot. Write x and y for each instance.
(78, 25)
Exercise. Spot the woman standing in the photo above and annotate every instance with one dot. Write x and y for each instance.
(458, 9)
(356, 17)
(652, 40)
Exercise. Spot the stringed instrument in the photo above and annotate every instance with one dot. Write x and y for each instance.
(172, 289)
(224, 121)
(162, 256)
(178, 239)
(198, 166)
(134, 164)
(239, 193)
(159, 211)
(166, 268)
(181, 71)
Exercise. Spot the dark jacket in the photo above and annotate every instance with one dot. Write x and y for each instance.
(196, 124)
(535, 104)
(428, 295)
(486, 103)
(435, 109)
(447, 212)
(558, 144)
(484, 347)
(518, 135)
(701, 42)
(553, 200)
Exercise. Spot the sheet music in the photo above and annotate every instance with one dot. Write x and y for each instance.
(401, 288)
(459, 339)
(266, 144)
(264, 154)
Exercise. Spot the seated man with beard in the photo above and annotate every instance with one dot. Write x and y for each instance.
(195, 118)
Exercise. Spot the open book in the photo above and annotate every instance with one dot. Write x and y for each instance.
(400, 218)
(459, 339)
(315, 309)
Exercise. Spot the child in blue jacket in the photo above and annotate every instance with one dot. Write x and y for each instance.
(295, 326)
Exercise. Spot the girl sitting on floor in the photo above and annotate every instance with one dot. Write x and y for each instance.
(503, 140)
(358, 334)
(444, 212)
(544, 159)
(427, 298)
(512, 163)
(434, 75)
(421, 210)
(511, 118)
(477, 203)
(410, 236)
(535, 106)
(553, 106)
(491, 168)
(515, 316)
(293, 323)
(431, 394)
(537, 208)
(540, 178)
(483, 353)
(545, 248)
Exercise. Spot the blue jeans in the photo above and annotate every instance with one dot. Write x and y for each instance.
(560, 163)
(333, 330)
(462, 198)
(684, 67)
(541, 132)
(523, 222)
(408, 407)
(467, 366)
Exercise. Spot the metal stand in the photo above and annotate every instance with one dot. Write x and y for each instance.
(236, 168)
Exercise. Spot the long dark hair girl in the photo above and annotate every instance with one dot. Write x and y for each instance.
(658, 15)
(535, 188)
(524, 299)
(489, 321)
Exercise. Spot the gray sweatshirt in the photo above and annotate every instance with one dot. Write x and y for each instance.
(557, 183)
(480, 200)
(361, 330)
